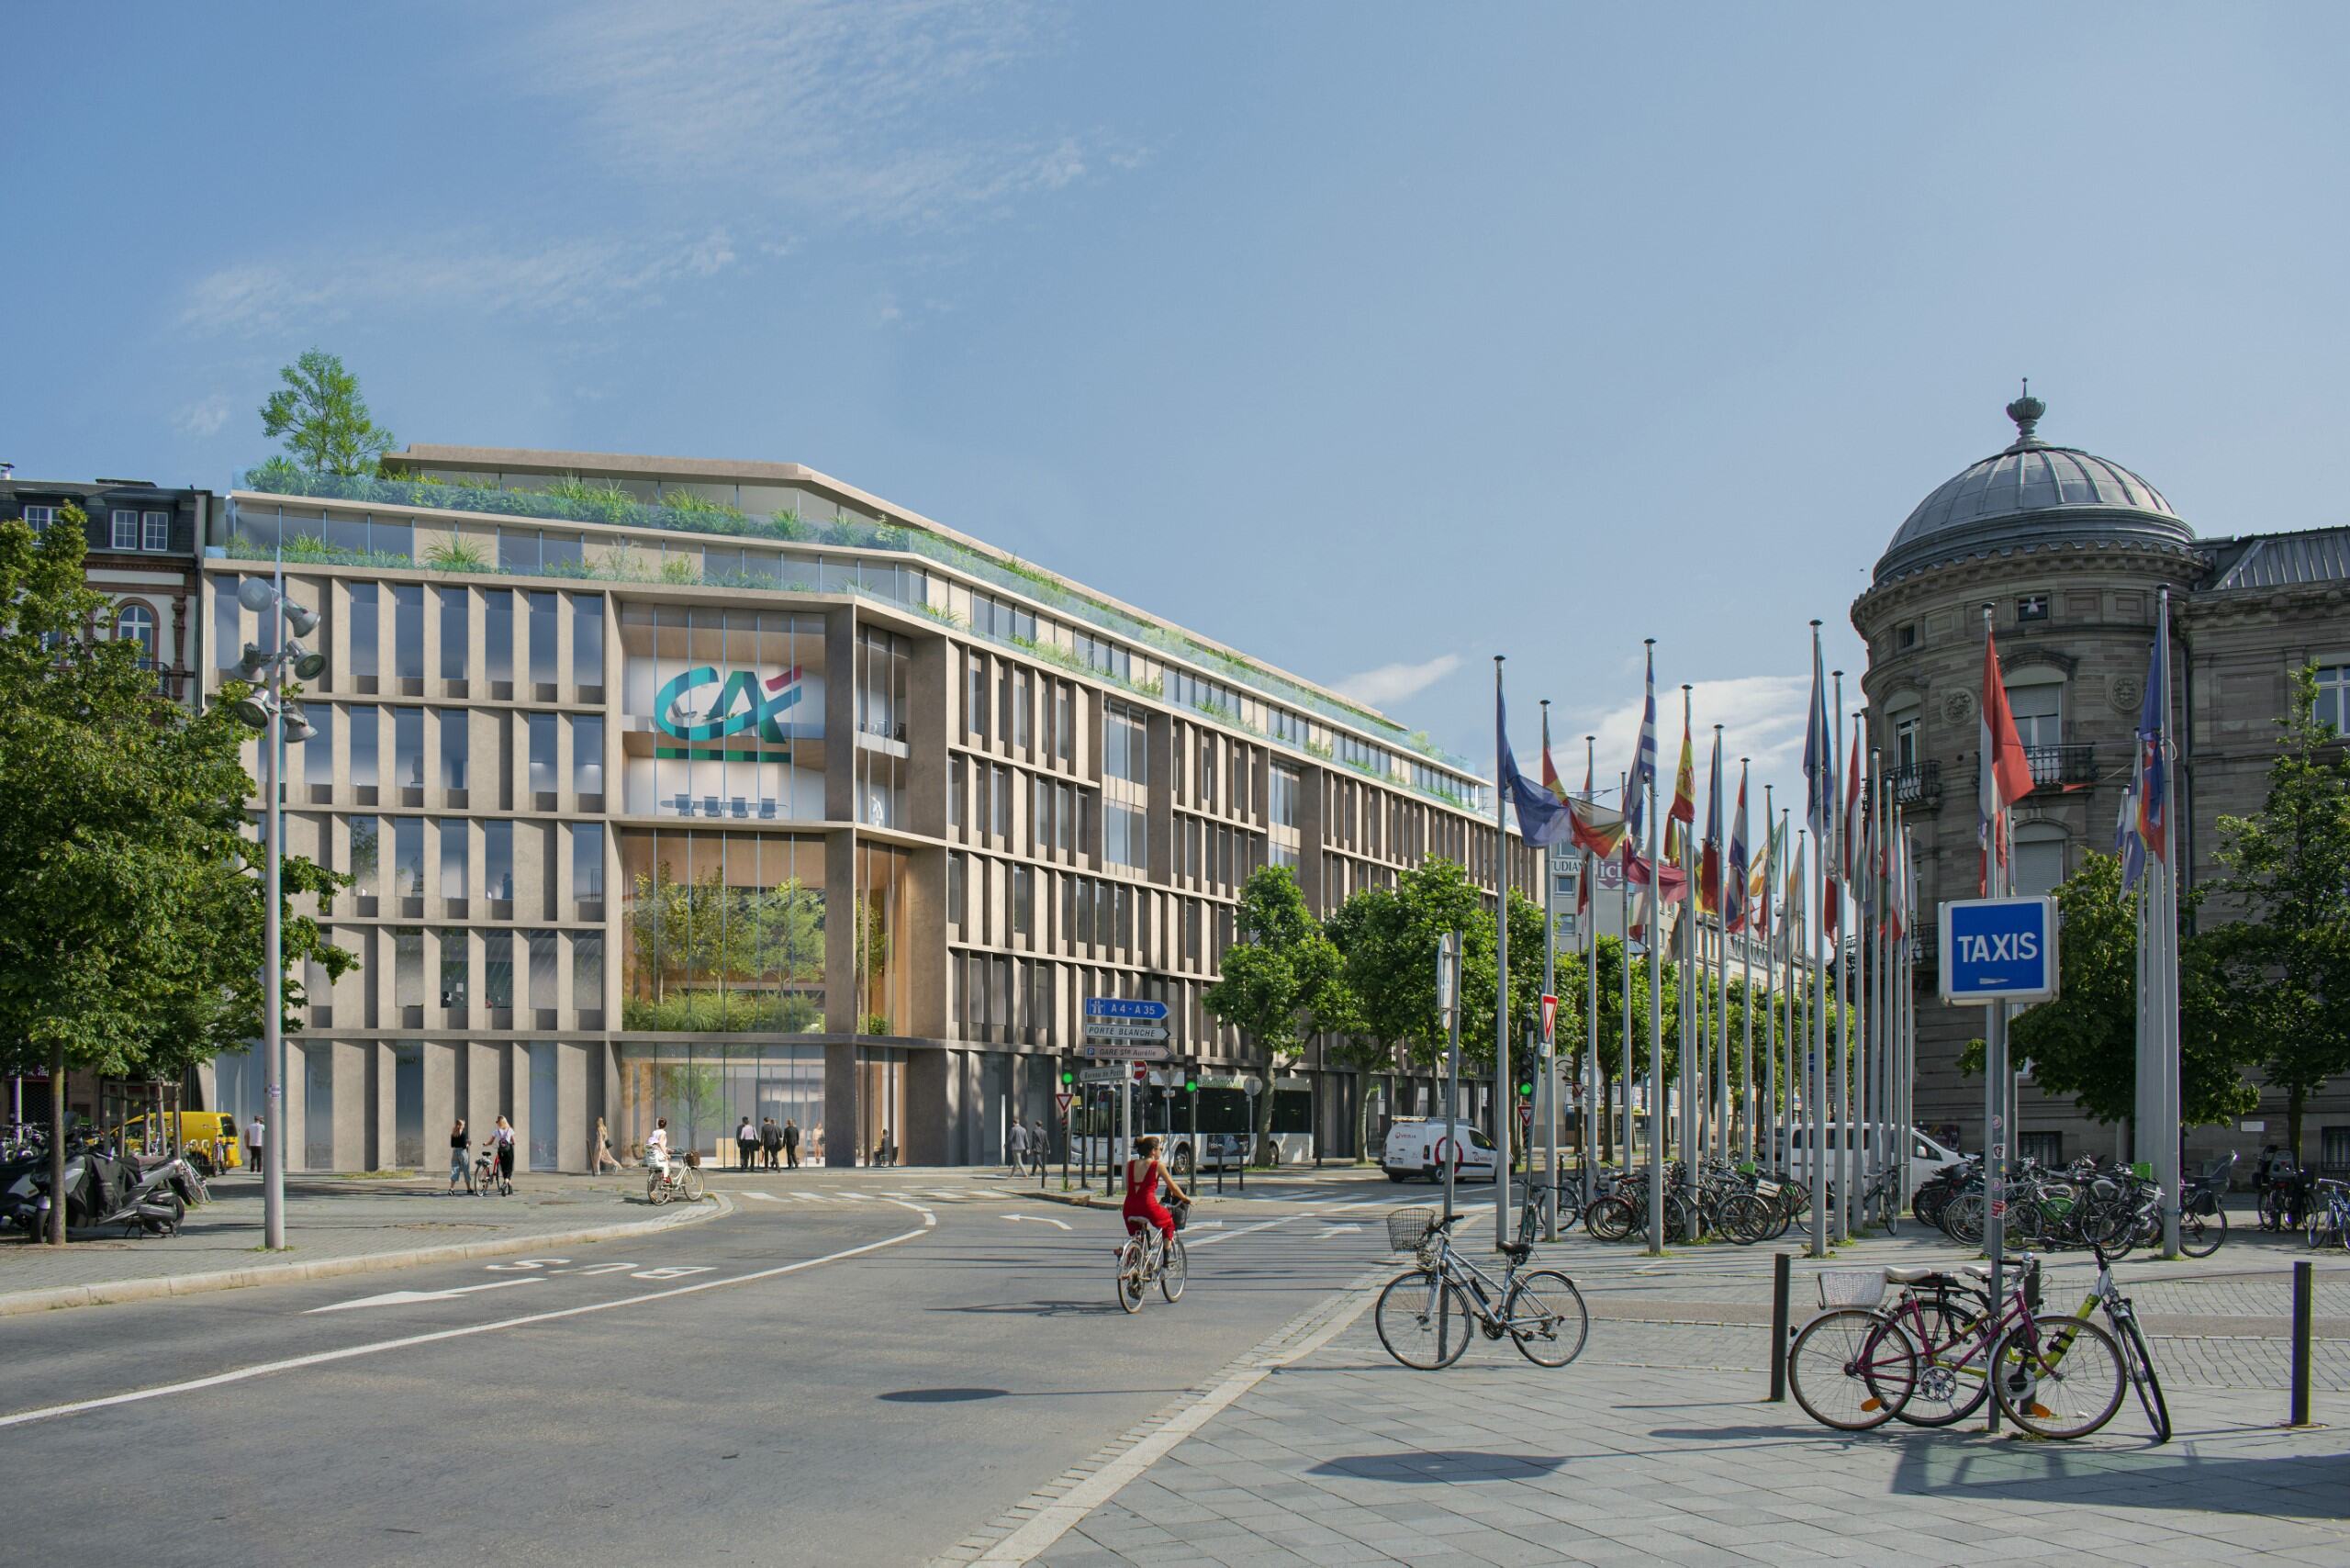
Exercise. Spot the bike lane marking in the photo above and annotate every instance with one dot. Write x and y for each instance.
(322, 1357)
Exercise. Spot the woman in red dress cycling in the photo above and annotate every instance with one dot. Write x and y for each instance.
(1144, 1173)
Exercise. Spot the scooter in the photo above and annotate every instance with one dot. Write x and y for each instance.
(99, 1190)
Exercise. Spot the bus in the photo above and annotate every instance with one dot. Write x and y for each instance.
(1205, 1129)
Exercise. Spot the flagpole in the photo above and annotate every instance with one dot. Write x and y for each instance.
(1831, 866)
(1889, 1148)
(2167, 1161)
(1656, 1038)
(1587, 918)
(1501, 1097)
(1765, 1084)
(1994, 1034)
(1718, 1122)
(1624, 953)
(1546, 1047)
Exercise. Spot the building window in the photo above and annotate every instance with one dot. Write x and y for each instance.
(2039, 864)
(953, 791)
(1023, 893)
(1905, 743)
(1064, 724)
(137, 624)
(1905, 637)
(1123, 740)
(497, 861)
(1124, 835)
(1021, 697)
(155, 530)
(954, 890)
(455, 731)
(587, 860)
(2038, 713)
(1003, 802)
(976, 704)
(2033, 607)
(126, 530)
(1281, 792)
(2046, 1149)
(2334, 1151)
(2334, 697)
(37, 519)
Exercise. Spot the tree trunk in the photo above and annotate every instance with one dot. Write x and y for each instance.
(1262, 1132)
(1607, 1120)
(1362, 1113)
(57, 1146)
(2296, 1100)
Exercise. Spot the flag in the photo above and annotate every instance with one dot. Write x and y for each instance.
(1550, 773)
(1673, 885)
(1854, 811)
(1818, 761)
(1896, 900)
(1709, 865)
(2006, 775)
(1793, 893)
(1736, 900)
(2127, 841)
(2154, 769)
(1541, 817)
(1583, 884)
(1643, 775)
(1758, 887)
(1600, 829)
(1684, 793)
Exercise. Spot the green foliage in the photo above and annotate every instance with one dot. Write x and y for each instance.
(697, 947)
(680, 569)
(874, 1024)
(693, 504)
(729, 1012)
(599, 500)
(1280, 973)
(458, 553)
(131, 943)
(942, 614)
(323, 418)
(2284, 968)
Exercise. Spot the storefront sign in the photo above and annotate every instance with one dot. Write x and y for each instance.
(745, 701)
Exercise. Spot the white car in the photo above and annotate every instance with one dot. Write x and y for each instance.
(1420, 1146)
(1926, 1155)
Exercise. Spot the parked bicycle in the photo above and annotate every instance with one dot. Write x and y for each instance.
(2329, 1223)
(1425, 1316)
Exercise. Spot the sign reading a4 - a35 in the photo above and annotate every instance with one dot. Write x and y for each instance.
(745, 701)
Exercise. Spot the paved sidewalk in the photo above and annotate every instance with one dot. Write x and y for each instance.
(334, 1225)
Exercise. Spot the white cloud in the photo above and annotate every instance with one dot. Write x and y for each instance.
(204, 417)
(846, 109)
(1763, 719)
(451, 272)
(1390, 684)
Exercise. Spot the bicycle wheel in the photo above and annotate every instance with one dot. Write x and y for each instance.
(2060, 1379)
(1424, 1319)
(1746, 1219)
(656, 1191)
(1952, 1380)
(1962, 1219)
(1175, 1271)
(1547, 1317)
(1130, 1275)
(693, 1183)
(1609, 1219)
(2142, 1375)
(2203, 1228)
(1852, 1369)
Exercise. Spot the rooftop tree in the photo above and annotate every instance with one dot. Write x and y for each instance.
(323, 418)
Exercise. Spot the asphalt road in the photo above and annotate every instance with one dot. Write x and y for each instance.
(852, 1369)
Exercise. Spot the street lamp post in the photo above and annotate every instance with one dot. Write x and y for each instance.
(1447, 1002)
(268, 711)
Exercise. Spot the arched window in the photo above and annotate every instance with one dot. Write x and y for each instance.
(137, 624)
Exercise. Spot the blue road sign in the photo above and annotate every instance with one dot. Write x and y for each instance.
(1120, 1007)
(1998, 950)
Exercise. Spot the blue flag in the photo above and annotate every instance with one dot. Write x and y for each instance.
(1643, 775)
(1541, 816)
(1818, 754)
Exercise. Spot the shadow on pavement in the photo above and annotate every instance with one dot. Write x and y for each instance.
(1440, 1466)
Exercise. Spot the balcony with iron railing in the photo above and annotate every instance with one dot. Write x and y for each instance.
(1917, 786)
(2056, 766)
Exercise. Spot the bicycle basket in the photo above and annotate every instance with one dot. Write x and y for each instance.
(1406, 1228)
(1851, 1287)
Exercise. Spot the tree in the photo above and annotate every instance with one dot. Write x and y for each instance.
(323, 418)
(1363, 1041)
(1275, 978)
(131, 941)
(2285, 967)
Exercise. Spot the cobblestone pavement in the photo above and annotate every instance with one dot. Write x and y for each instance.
(327, 1218)
(1656, 1447)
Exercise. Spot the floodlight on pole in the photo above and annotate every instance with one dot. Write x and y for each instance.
(254, 711)
(254, 664)
(308, 666)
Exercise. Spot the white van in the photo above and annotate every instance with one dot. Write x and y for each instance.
(1926, 1155)
(1418, 1146)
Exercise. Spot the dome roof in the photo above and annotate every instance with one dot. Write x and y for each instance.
(2031, 493)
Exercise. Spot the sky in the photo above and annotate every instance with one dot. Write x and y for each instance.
(1371, 340)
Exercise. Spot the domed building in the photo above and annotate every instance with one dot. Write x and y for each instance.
(2068, 554)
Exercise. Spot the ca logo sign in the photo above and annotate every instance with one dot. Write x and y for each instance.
(744, 702)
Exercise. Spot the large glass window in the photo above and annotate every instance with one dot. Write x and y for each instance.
(544, 951)
(363, 857)
(135, 624)
(2334, 697)
(408, 965)
(588, 969)
(587, 860)
(884, 660)
(1124, 738)
(408, 631)
(497, 861)
(2039, 714)
(726, 931)
(724, 713)
(498, 968)
(454, 632)
(1281, 792)
(365, 738)
(545, 1106)
(587, 640)
(1123, 835)
(2039, 860)
(452, 835)
(455, 964)
(975, 700)
(408, 858)
(318, 753)
(541, 742)
(366, 638)
(543, 622)
(587, 755)
(408, 748)
(497, 633)
(454, 745)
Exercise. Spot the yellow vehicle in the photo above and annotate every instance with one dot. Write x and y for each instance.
(210, 1137)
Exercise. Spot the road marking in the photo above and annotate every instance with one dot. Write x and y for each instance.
(1040, 1219)
(323, 1357)
(401, 1298)
(769, 1197)
(1339, 1231)
(1204, 1225)
(928, 1218)
(1260, 1225)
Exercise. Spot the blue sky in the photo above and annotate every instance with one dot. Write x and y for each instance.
(1374, 340)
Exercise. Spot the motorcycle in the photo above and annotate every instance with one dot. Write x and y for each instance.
(100, 1190)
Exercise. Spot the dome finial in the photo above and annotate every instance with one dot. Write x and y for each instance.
(2026, 411)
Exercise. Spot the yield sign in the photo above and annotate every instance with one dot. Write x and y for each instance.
(1060, 1102)
(1549, 1018)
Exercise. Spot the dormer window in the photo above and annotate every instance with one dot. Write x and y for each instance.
(2033, 607)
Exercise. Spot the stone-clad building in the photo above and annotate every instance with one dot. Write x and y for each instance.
(2070, 552)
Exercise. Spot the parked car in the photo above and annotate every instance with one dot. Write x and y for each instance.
(1420, 1146)
(1926, 1155)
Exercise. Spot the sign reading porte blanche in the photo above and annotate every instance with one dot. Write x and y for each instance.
(1998, 950)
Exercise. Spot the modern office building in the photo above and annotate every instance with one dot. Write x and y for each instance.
(2070, 552)
(141, 540)
(705, 791)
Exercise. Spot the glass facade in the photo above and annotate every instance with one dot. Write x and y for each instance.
(723, 713)
(706, 1088)
(721, 932)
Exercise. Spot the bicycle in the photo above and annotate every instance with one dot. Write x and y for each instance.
(1148, 1258)
(2329, 1223)
(1857, 1367)
(1424, 1315)
(680, 1179)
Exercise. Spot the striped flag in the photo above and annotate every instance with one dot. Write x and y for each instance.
(1709, 863)
(2154, 769)
(1737, 902)
(1600, 829)
(2006, 775)
(1583, 884)
(1643, 775)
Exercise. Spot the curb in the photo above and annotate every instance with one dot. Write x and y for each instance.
(122, 1292)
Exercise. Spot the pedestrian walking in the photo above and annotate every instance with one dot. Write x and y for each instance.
(1015, 1148)
(745, 1141)
(1040, 1145)
(600, 1149)
(503, 1143)
(790, 1144)
(461, 1143)
(771, 1144)
(254, 1137)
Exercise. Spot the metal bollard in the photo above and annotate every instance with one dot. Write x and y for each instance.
(1782, 1281)
(2304, 1288)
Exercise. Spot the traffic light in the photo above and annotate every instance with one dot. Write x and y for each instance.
(1068, 1074)
(1525, 1084)
(1190, 1077)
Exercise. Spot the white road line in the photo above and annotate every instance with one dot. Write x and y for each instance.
(322, 1357)
(1040, 1219)
(770, 1197)
(928, 1218)
(1260, 1225)
(401, 1298)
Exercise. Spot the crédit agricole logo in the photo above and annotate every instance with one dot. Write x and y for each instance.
(746, 702)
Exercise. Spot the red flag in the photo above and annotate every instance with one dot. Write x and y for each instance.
(1600, 829)
(2006, 773)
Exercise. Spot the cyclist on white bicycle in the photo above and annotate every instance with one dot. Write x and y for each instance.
(656, 1148)
(1144, 1173)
